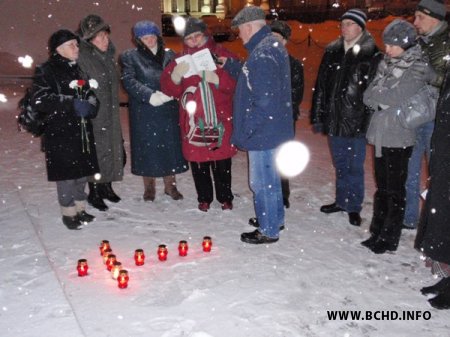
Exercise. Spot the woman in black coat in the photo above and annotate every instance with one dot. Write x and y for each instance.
(62, 93)
(154, 122)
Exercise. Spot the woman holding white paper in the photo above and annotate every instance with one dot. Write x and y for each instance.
(205, 113)
(154, 129)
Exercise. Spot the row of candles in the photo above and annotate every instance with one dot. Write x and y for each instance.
(115, 267)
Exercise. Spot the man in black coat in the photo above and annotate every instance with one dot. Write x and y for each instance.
(348, 65)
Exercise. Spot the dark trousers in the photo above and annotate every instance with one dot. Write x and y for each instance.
(221, 172)
(349, 154)
(391, 170)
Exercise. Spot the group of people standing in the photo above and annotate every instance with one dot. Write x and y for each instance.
(361, 95)
(253, 104)
(390, 100)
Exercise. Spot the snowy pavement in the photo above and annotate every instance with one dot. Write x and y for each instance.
(284, 289)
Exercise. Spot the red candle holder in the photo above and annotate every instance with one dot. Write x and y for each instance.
(139, 257)
(116, 268)
(207, 244)
(82, 267)
(106, 253)
(183, 248)
(162, 253)
(103, 246)
(122, 279)
(110, 261)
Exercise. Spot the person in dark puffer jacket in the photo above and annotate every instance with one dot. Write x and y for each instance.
(338, 111)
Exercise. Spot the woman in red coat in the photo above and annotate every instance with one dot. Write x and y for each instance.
(194, 91)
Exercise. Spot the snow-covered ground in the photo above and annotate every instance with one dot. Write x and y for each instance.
(283, 289)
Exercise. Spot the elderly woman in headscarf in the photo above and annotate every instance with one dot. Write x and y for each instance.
(154, 125)
(97, 60)
(63, 93)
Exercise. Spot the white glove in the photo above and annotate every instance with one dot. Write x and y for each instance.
(158, 98)
(210, 76)
(178, 72)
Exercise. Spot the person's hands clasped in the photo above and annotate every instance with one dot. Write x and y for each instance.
(178, 72)
(210, 76)
(84, 108)
(159, 98)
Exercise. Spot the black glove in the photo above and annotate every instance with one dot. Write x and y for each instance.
(317, 128)
(83, 108)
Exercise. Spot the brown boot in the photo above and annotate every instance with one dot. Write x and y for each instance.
(170, 188)
(149, 185)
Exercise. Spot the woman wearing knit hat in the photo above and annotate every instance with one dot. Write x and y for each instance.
(97, 59)
(154, 126)
(398, 94)
(211, 92)
(62, 91)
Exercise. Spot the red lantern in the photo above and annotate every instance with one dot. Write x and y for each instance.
(106, 253)
(207, 244)
(117, 267)
(82, 267)
(162, 253)
(139, 257)
(103, 246)
(122, 279)
(110, 261)
(183, 248)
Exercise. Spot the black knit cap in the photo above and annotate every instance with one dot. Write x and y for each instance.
(357, 16)
(59, 37)
(282, 28)
(433, 8)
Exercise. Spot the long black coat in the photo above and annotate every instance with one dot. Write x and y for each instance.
(433, 235)
(338, 96)
(67, 155)
(154, 131)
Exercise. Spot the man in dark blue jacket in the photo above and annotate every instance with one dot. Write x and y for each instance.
(262, 117)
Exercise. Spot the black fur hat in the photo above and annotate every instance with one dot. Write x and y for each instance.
(59, 37)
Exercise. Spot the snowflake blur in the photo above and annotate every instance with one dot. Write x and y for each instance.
(26, 61)
(191, 106)
(291, 158)
(180, 24)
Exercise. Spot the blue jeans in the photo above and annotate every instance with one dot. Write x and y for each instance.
(265, 184)
(349, 154)
(421, 147)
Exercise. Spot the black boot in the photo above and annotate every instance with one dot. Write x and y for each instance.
(370, 242)
(436, 288)
(85, 217)
(71, 222)
(108, 193)
(94, 199)
(442, 300)
(382, 246)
